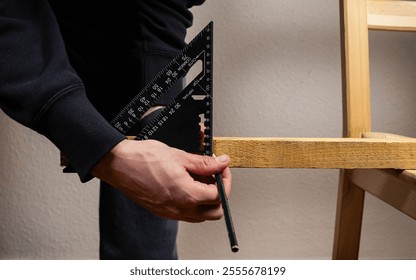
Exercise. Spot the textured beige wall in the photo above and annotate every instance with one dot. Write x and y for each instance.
(277, 73)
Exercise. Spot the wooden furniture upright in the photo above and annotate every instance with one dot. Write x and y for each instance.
(395, 187)
(378, 163)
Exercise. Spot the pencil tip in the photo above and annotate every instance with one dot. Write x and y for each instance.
(234, 248)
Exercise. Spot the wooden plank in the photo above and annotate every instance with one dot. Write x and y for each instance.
(395, 187)
(337, 153)
(383, 135)
(392, 15)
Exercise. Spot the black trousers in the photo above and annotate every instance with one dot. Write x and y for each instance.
(128, 231)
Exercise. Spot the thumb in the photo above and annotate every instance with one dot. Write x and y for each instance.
(205, 165)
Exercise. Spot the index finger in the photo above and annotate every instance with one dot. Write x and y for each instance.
(227, 179)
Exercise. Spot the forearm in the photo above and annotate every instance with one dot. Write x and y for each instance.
(79, 131)
(40, 89)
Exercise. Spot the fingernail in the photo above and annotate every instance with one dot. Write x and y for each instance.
(222, 159)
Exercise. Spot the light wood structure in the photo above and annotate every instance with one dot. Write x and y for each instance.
(357, 16)
(336, 153)
(370, 162)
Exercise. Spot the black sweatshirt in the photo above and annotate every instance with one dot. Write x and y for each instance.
(39, 87)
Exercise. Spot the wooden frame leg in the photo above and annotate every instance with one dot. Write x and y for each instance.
(349, 215)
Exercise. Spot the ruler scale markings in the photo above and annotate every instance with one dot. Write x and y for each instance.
(153, 91)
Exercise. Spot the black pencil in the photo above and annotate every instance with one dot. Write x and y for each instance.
(227, 214)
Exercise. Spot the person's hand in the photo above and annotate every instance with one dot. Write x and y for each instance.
(168, 182)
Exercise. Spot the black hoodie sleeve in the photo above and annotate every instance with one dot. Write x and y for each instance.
(39, 88)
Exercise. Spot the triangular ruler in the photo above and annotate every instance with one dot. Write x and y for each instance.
(194, 101)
